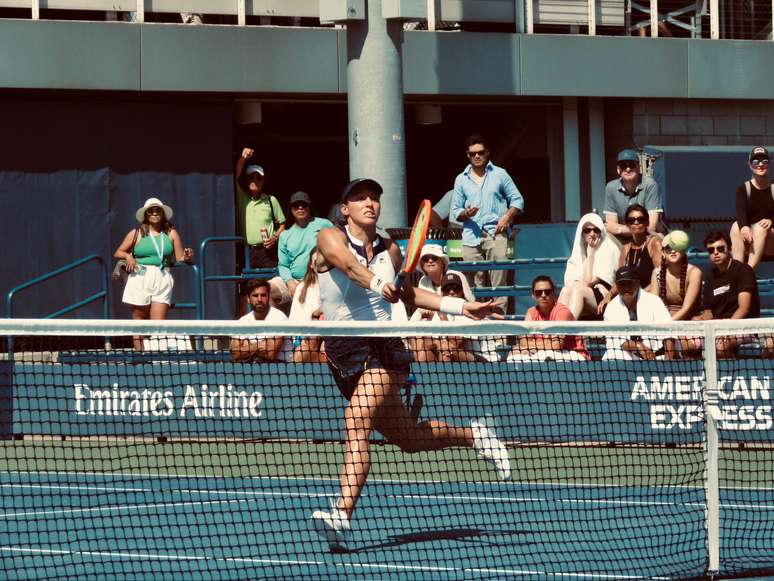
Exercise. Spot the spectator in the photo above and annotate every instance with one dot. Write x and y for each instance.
(754, 212)
(730, 291)
(296, 243)
(641, 254)
(306, 308)
(440, 216)
(548, 347)
(449, 349)
(590, 272)
(261, 220)
(257, 348)
(149, 250)
(486, 201)
(631, 187)
(434, 265)
(632, 304)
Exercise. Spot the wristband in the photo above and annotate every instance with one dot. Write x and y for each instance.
(377, 284)
(452, 305)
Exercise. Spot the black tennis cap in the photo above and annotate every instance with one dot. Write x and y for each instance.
(759, 152)
(451, 279)
(357, 184)
(626, 273)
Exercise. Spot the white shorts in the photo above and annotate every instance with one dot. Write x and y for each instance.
(154, 286)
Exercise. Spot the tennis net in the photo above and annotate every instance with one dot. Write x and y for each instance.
(630, 452)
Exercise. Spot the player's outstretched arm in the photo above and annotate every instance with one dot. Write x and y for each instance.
(332, 248)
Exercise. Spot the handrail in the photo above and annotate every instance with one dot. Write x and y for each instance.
(204, 278)
(103, 294)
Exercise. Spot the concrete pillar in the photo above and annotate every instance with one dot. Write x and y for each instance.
(597, 153)
(572, 193)
(375, 108)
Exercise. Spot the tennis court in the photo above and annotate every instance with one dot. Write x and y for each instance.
(193, 466)
(160, 520)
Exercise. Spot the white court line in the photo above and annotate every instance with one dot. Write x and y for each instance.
(498, 483)
(284, 494)
(371, 566)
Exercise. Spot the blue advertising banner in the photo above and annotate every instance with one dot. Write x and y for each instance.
(610, 401)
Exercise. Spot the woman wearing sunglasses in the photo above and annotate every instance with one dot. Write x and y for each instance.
(754, 212)
(641, 255)
(678, 284)
(149, 250)
(591, 269)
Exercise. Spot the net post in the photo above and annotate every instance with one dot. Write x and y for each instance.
(712, 481)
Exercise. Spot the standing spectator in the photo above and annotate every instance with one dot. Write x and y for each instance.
(149, 250)
(296, 243)
(548, 347)
(305, 309)
(730, 290)
(633, 304)
(754, 212)
(486, 201)
(590, 272)
(631, 187)
(641, 254)
(261, 220)
(257, 348)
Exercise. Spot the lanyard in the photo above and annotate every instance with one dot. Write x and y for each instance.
(159, 248)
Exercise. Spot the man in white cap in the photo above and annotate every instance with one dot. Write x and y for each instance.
(261, 220)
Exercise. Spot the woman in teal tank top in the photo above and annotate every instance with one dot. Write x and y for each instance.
(149, 251)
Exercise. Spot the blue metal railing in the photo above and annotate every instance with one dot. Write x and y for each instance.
(101, 295)
(204, 278)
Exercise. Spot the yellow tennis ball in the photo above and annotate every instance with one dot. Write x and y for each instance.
(677, 240)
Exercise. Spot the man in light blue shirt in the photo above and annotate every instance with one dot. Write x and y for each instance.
(486, 201)
(296, 243)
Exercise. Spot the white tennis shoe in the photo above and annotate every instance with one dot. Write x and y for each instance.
(491, 449)
(333, 526)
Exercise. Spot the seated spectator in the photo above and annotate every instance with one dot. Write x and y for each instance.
(434, 266)
(457, 349)
(257, 348)
(730, 291)
(590, 272)
(305, 309)
(297, 242)
(754, 212)
(548, 347)
(678, 284)
(630, 187)
(641, 254)
(633, 304)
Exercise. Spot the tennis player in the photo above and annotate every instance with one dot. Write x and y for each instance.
(356, 268)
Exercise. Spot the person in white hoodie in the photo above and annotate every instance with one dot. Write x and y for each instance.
(591, 268)
(634, 304)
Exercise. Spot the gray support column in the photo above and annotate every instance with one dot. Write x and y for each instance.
(572, 195)
(597, 153)
(375, 108)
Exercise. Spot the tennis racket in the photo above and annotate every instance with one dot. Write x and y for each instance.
(415, 242)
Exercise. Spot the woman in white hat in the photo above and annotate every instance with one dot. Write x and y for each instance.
(149, 250)
(434, 265)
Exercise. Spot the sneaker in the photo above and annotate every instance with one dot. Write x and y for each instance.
(332, 525)
(491, 449)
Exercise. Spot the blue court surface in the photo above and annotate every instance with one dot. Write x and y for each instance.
(69, 525)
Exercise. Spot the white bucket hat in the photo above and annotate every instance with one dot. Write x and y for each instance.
(150, 203)
(433, 250)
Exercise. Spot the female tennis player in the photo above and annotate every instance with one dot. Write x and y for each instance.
(356, 268)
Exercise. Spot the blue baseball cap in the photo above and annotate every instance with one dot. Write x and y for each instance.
(628, 155)
(357, 184)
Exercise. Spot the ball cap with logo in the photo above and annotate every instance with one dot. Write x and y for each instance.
(451, 279)
(759, 152)
(626, 273)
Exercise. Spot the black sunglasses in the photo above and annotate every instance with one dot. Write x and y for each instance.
(453, 287)
(543, 292)
(763, 162)
(590, 229)
(717, 249)
(479, 153)
(299, 205)
(627, 165)
(636, 220)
